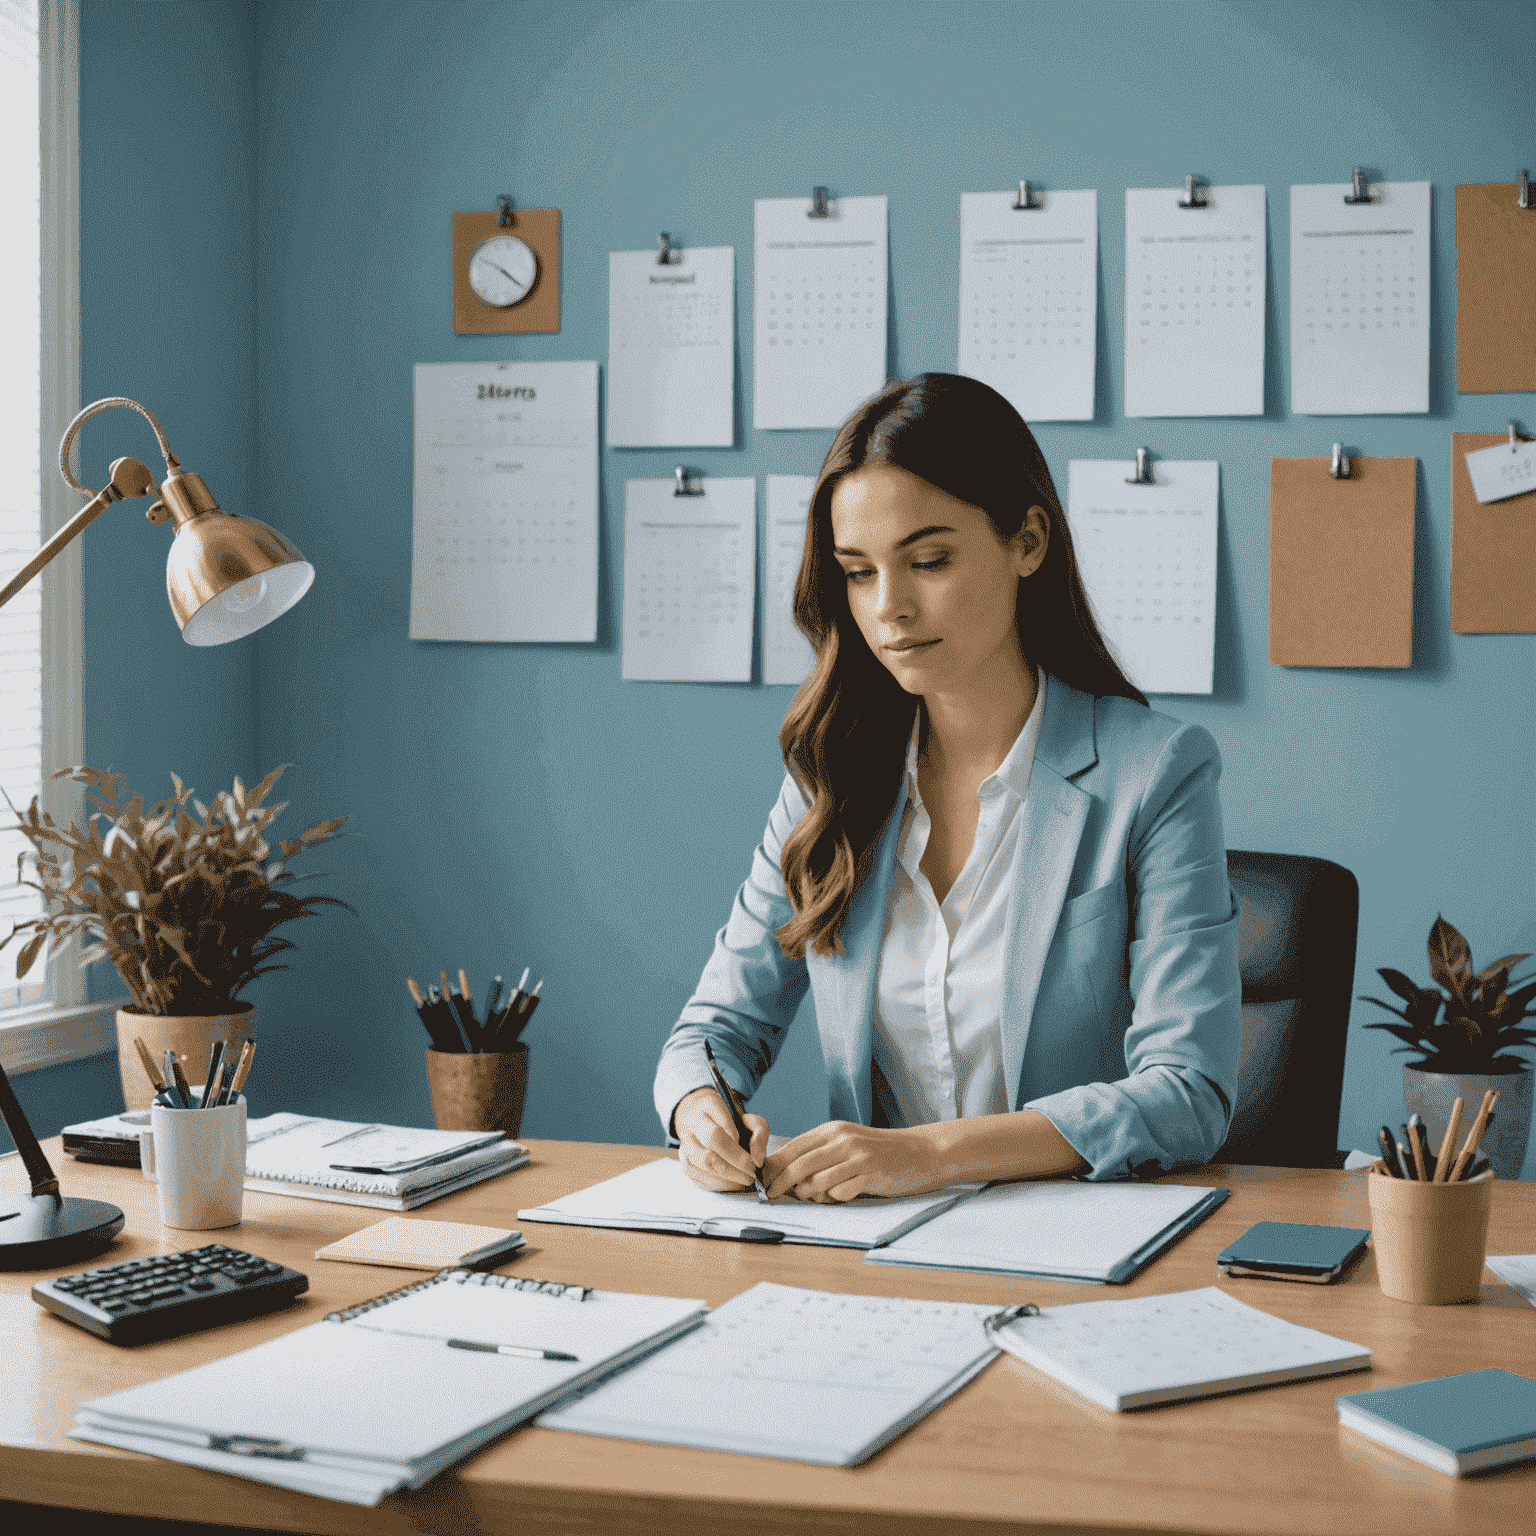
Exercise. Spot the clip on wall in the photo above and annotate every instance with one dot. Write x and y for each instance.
(818, 208)
(1524, 198)
(1023, 200)
(1194, 194)
(682, 487)
(1358, 191)
(666, 252)
(1143, 475)
(1339, 468)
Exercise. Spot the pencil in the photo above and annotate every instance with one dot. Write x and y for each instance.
(1448, 1141)
(1416, 1149)
(416, 996)
(149, 1063)
(243, 1071)
(1474, 1136)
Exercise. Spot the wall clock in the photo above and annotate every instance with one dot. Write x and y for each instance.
(506, 270)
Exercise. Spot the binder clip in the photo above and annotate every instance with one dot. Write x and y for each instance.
(818, 208)
(1143, 475)
(1023, 200)
(1358, 192)
(1339, 468)
(1515, 439)
(991, 1323)
(1524, 199)
(1194, 196)
(504, 212)
(666, 252)
(681, 486)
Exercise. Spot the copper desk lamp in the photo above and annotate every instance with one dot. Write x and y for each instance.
(226, 577)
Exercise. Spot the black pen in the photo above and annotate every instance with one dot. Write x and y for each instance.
(525, 1012)
(176, 1082)
(523, 1351)
(492, 997)
(743, 1135)
(513, 1002)
(210, 1097)
(1404, 1156)
(1388, 1152)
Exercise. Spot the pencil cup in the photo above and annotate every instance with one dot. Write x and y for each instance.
(478, 1091)
(1430, 1239)
(197, 1156)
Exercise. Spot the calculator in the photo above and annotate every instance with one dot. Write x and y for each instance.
(170, 1293)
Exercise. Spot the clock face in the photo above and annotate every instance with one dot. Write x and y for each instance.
(503, 270)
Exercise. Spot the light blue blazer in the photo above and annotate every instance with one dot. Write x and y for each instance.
(1121, 1002)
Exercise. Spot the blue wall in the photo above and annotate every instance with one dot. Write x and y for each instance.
(520, 804)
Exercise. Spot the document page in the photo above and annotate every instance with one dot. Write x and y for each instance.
(787, 654)
(659, 1196)
(1029, 299)
(504, 532)
(671, 349)
(805, 1375)
(1194, 303)
(1148, 559)
(690, 580)
(1360, 300)
(818, 309)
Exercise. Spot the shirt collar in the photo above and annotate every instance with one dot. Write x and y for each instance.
(1013, 771)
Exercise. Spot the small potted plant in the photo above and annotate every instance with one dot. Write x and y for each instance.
(1465, 1050)
(184, 902)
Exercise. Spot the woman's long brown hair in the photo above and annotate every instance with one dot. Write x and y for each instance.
(845, 734)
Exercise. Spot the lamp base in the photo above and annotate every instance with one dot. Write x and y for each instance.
(45, 1231)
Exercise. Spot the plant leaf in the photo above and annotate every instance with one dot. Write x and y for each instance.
(1399, 984)
(1506, 965)
(1450, 960)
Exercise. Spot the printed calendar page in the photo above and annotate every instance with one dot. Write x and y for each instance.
(690, 581)
(671, 349)
(1148, 559)
(787, 654)
(818, 309)
(1194, 303)
(1360, 300)
(504, 529)
(1029, 299)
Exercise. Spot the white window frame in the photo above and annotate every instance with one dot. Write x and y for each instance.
(66, 1027)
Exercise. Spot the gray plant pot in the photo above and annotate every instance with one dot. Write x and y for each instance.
(1430, 1095)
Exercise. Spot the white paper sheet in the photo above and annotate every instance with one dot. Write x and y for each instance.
(659, 1196)
(1148, 558)
(1504, 470)
(1360, 300)
(690, 579)
(1029, 299)
(1517, 1270)
(787, 654)
(818, 310)
(504, 536)
(805, 1375)
(1194, 303)
(671, 349)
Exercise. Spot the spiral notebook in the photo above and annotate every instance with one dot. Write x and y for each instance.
(387, 1394)
(394, 1167)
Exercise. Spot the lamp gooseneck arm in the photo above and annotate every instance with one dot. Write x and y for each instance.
(172, 463)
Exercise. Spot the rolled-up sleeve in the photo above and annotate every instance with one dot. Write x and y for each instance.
(1183, 1040)
(750, 990)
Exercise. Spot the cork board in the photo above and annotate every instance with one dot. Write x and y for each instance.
(539, 229)
(1341, 563)
(1495, 289)
(1493, 551)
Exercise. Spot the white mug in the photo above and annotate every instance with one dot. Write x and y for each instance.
(197, 1156)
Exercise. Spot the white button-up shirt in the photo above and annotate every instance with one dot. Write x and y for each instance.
(938, 1039)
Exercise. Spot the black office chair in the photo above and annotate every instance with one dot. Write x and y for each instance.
(1296, 951)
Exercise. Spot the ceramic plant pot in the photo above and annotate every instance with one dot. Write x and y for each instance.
(1430, 1095)
(190, 1036)
(478, 1092)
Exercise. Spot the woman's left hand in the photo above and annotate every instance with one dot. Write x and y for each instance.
(840, 1160)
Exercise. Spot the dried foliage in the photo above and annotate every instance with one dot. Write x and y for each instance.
(182, 901)
(1482, 1017)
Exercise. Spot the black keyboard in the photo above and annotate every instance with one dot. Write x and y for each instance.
(170, 1293)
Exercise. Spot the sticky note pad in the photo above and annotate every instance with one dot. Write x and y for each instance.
(403, 1242)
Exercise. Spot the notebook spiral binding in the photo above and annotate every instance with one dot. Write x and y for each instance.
(465, 1277)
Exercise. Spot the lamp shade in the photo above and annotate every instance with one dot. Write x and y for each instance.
(227, 576)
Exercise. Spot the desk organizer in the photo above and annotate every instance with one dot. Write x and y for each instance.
(1430, 1239)
(478, 1091)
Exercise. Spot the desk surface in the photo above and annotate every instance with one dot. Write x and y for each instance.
(1013, 1452)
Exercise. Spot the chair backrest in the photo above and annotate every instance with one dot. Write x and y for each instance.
(1296, 952)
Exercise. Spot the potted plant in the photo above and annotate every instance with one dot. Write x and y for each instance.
(184, 902)
(1463, 1051)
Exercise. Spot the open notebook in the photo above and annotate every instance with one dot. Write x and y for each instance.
(660, 1197)
(375, 1397)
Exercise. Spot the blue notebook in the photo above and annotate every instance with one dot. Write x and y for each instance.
(1455, 1424)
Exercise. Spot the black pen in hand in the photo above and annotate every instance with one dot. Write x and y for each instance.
(743, 1135)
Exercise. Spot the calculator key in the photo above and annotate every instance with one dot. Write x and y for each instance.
(202, 1284)
(166, 1292)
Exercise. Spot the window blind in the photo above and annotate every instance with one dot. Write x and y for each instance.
(21, 455)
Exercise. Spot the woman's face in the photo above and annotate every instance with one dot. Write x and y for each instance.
(930, 584)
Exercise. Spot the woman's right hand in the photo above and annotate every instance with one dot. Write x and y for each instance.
(710, 1153)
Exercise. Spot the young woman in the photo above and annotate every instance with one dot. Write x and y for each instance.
(1000, 873)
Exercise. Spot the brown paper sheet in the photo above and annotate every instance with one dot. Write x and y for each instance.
(539, 229)
(1493, 551)
(1341, 563)
(1495, 289)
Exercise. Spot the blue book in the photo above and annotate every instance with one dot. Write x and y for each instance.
(1455, 1424)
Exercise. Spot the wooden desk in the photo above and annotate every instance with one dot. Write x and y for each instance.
(1012, 1452)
